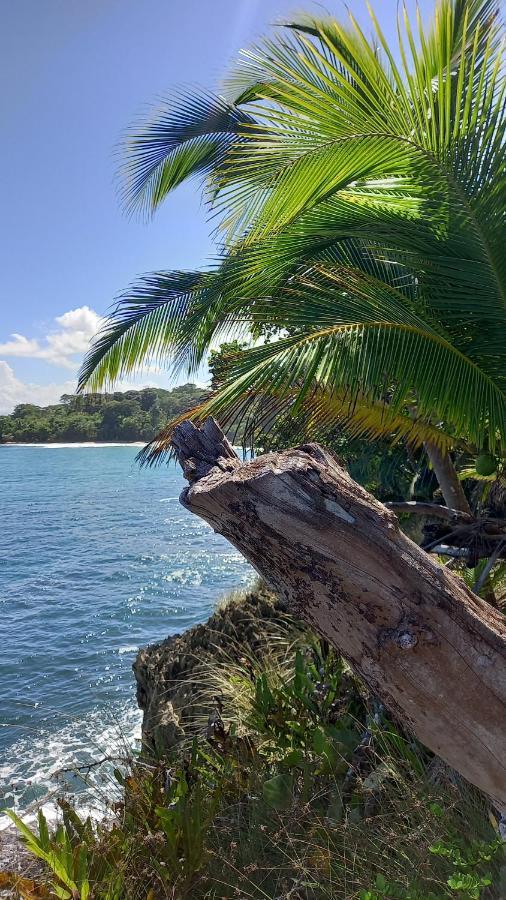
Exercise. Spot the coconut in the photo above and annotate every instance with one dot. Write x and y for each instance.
(486, 464)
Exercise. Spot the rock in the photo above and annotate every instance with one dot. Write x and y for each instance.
(169, 674)
(15, 859)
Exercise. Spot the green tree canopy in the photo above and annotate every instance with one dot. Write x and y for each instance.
(359, 191)
(100, 417)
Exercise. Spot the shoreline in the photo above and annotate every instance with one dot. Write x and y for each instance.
(57, 444)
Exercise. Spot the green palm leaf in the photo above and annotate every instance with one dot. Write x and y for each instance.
(362, 202)
(145, 327)
(377, 359)
(319, 411)
(181, 140)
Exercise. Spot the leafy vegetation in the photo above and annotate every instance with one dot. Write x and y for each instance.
(129, 416)
(361, 206)
(296, 787)
(391, 471)
(387, 471)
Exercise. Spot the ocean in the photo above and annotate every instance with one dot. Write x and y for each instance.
(97, 559)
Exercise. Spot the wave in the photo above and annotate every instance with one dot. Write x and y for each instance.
(54, 758)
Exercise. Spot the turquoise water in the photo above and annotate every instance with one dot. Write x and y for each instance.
(97, 558)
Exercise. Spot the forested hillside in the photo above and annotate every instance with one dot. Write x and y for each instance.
(129, 416)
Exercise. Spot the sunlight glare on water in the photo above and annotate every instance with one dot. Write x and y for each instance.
(97, 559)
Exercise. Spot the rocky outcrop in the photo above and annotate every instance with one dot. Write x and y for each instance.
(171, 675)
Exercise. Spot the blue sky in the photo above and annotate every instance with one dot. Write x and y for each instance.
(73, 75)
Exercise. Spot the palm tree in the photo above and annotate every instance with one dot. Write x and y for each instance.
(358, 194)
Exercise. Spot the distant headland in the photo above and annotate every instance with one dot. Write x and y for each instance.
(129, 416)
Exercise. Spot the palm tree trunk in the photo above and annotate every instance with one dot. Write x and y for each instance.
(448, 480)
(430, 649)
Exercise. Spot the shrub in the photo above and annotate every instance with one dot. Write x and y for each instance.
(299, 787)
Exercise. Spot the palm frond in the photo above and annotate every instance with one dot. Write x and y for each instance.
(378, 359)
(361, 193)
(147, 327)
(320, 411)
(188, 135)
(368, 370)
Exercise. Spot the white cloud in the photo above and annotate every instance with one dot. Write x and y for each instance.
(60, 346)
(14, 391)
(64, 346)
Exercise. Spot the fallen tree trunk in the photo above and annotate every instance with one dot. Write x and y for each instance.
(433, 651)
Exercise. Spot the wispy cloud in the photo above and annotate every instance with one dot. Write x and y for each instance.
(14, 391)
(70, 338)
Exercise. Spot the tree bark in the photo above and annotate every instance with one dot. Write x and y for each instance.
(448, 480)
(427, 646)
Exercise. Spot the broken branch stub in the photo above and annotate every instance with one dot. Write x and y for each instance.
(434, 652)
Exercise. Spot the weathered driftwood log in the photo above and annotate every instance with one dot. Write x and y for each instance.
(432, 650)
